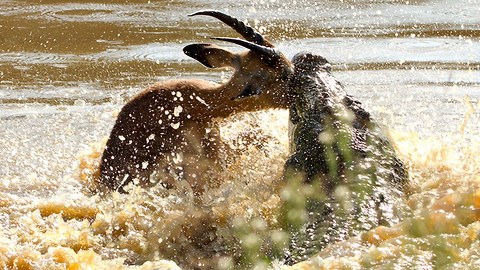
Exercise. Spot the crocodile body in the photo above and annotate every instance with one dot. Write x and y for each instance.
(337, 149)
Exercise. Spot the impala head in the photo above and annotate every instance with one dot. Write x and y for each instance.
(262, 71)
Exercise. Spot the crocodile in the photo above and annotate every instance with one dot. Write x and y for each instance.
(356, 181)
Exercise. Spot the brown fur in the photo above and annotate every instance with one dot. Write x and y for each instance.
(167, 128)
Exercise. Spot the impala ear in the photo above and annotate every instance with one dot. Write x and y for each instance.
(211, 55)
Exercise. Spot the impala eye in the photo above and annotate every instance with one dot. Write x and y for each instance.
(249, 91)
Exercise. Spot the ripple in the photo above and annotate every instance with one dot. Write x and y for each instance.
(27, 58)
(31, 58)
(83, 12)
(426, 43)
(158, 52)
(86, 12)
(55, 97)
(140, 14)
(343, 50)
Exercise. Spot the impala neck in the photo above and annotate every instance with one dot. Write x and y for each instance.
(223, 103)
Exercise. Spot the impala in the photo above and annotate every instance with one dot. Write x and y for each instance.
(167, 129)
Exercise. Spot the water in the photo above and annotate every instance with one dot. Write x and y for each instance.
(67, 68)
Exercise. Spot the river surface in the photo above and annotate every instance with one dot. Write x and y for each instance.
(67, 67)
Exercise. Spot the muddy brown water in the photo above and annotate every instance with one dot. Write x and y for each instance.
(67, 67)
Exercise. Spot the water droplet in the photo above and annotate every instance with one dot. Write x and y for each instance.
(177, 110)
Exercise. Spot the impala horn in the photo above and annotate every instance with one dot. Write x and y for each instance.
(246, 31)
(271, 54)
